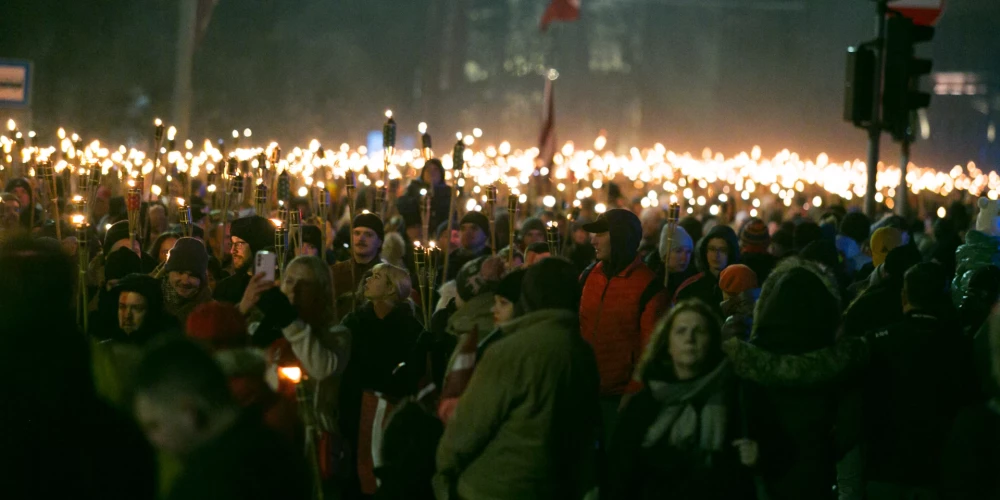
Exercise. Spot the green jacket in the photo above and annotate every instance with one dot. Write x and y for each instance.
(526, 426)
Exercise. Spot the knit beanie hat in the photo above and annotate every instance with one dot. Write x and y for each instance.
(755, 238)
(680, 238)
(188, 255)
(884, 239)
(145, 285)
(219, 324)
(313, 236)
(736, 279)
(478, 276)
(257, 231)
(371, 221)
(477, 218)
(510, 286)
(117, 232)
(550, 284)
(532, 224)
(121, 263)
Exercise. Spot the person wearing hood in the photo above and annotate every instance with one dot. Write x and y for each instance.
(185, 284)
(474, 231)
(621, 302)
(471, 322)
(366, 250)
(141, 316)
(717, 249)
(249, 235)
(117, 265)
(21, 189)
(579, 251)
(908, 409)
(796, 412)
(680, 437)
(740, 292)
(526, 424)
(118, 237)
(754, 244)
(384, 367)
(678, 263)
(532, 231)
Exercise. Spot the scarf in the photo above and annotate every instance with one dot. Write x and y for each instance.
(181, 307)
(680, 422)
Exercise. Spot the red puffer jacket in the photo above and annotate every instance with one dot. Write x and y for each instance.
(617, 317)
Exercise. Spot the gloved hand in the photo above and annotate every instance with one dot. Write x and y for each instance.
(277, 308)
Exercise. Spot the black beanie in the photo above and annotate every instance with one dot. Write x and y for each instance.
(531, 224)
(552, 283)
(371, 221)
(188, 255)
(313, 236)
(477, 218)
(117, 232)
(257, 231)
(145, 285)
(121, 263)
(510, 286)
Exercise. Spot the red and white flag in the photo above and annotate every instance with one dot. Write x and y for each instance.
(547, 137)
(560, 10)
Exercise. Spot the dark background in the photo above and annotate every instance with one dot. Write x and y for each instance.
(725, 74)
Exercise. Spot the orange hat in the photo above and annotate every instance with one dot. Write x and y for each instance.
(736, 279)
(883, 240)
(219, 324)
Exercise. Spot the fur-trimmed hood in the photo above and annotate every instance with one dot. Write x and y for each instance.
(821, 366)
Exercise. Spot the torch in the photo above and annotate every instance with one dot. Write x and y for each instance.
(186, 219)
(260, 199)
(305, 405)
(80, 221)
(673, 213)
(157, 141)
(431, 280)
(552, 237)
(294, 230)
(419, 262)
(511, 217)
(280, 232)
(425, 142)
(132, 203)
(323, 202)
(491, 204)
(457, 163)
(427, 214)
(389, 148)
(93, 182)
(49, 172)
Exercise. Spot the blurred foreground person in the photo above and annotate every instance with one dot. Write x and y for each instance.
(680, 437)
(184, 404)
(59, 440)
(526, 426)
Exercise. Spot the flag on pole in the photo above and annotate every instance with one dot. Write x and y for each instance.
(547, 137)
(560, 10)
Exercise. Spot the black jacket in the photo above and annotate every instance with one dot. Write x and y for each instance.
(232, 288)
(919, 375)
(972, 455)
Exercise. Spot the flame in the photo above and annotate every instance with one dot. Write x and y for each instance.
(292, 374)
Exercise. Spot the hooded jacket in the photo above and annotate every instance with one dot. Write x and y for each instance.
(157, 319)
(705, 285)
(621, 302)
(526, 425)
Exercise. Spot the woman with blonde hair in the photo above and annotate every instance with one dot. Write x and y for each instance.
(681, 436)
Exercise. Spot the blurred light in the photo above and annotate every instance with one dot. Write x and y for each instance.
(817, 201)
(477, 132)
(549, 201)
(941, 212)
(600, 208)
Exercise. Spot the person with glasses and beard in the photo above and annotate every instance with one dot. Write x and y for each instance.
(249, 235)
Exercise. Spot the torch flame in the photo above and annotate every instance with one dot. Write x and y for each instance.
(291, 373)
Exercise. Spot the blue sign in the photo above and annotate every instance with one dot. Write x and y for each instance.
(15, 83)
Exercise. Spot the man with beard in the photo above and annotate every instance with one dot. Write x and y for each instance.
(186, 283)
(141, 316)
(249, 235)
(118, 264)
(366, 246)
(118, 237)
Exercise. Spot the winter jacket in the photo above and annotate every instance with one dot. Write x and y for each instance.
(795, 424)
(467, 326)
(972, 454)
(640, 469)
(979, 250)
(526, 425)
(617, 317)
(246, 461)
(345, 285)
(324, 357)
(908, 408)
(231, 289)
(704, 287)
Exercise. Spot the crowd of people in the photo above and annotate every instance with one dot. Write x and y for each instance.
(805, 355)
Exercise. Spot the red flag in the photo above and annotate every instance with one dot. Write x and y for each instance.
(547, 138)
(560, 10)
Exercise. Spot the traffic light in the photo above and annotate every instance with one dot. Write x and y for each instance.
(900, 96)
(859, 84)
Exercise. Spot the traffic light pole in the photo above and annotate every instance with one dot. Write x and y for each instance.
(902, 208)
(875, 128)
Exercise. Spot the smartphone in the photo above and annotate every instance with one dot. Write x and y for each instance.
(267, 263)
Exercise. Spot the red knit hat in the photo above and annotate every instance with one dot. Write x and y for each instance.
(219, 324)
(737, 279)
(754, 238)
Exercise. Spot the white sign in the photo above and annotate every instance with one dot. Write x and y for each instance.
(15, 83)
